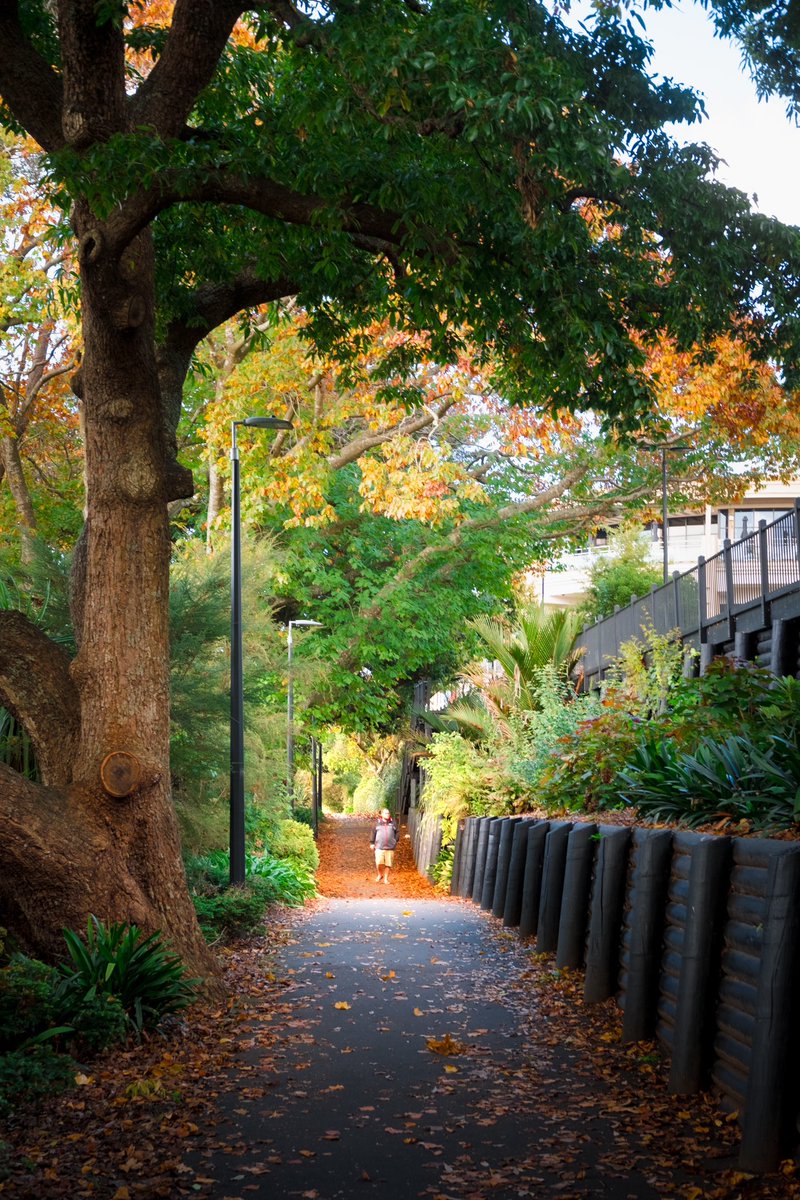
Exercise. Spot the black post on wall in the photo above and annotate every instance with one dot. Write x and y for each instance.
(319, 789)
(316, 783)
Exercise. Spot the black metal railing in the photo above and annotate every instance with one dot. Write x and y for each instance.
(743, 575)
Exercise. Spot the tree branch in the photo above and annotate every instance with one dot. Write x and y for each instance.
(198, 32)
(29, 86)
(264, 196)
(216, 303)
(409, 425)
(36, 686)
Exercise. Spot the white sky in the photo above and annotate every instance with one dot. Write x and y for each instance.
(760, 146)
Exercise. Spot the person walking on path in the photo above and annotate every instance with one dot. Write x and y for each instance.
(383, 842)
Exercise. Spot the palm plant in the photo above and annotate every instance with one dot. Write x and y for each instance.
(507, 680)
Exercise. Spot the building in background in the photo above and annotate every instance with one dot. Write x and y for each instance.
(690, 534)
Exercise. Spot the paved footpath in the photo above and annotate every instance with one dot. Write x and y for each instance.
(406, 1059)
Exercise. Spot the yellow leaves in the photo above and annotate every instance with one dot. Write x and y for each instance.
(450, 1068)
(447, 1045)
(145, 1089)
(418, 1012)
(342, 1004)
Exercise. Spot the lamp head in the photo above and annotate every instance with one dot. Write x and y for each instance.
(265, 423)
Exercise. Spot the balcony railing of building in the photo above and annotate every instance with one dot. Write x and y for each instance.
(703, 603)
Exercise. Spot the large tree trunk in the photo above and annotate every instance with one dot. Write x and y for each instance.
(118, 858)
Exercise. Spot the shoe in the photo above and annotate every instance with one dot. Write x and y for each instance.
(378, 878)
(386, 879)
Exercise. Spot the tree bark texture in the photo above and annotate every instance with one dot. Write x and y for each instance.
(69, 849)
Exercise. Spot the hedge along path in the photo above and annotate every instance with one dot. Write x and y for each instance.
(408, 1047)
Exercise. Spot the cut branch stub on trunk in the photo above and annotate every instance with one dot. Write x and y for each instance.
(120, 774)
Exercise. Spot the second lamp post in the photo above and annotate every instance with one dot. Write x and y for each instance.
(237, 855)
(290, 712)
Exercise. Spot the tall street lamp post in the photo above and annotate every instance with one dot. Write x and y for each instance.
(664, 449)
(290, 710)
(237, 870)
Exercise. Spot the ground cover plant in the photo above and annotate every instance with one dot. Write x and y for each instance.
(116, 982)
(226, 912)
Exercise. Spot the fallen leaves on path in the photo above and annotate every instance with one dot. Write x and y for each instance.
(145, 1124)
(347, 864)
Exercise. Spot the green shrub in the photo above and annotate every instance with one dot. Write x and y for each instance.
(626, 571)
(456, 783)
(284, 880)
(295, 840)
(232, 913)
(119, 960)
(336, 797)
(304, 815)
(370, 796)
(584, 775)
(97, 1022)
(732, 780)
(28, 1000)
(30, 1075)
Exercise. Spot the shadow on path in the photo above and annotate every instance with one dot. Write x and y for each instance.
(407, 1047)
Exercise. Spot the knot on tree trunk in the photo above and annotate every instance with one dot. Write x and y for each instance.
(130, 314)
(91, 246)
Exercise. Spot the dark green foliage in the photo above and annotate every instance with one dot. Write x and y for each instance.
(225, 911)
(29, 1001)
(96, 1022)
(231, 912)
(381, 632)
(420, 112)
(30, 1075)
(36, 1005)
(304, 815)
(118, 960)
(730, 780)
(41, 1017)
